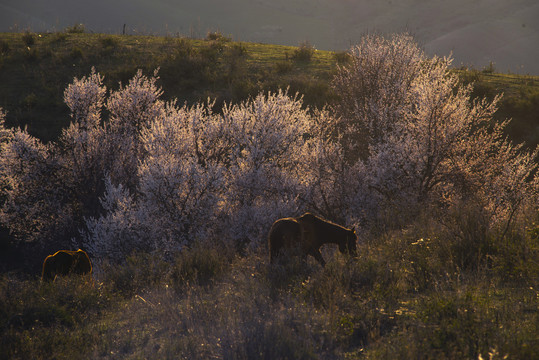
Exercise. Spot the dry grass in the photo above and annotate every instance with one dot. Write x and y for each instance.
(404, 296)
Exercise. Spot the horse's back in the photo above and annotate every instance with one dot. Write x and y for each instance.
(64, 262)
(284, 228)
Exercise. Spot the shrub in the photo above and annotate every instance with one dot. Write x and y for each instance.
(283, 67)
(149, 175)
(217, 36)
(211, 51)
(342, 57)
(490, 69)
(108, 42)
(183, 48)
(28, 38)
(407, 118)
(29, 171)
(469, 76)
(76, 53)
(242, 89)
(188, 66)
(75, 29)
(237, 50)
(304, 53)
(4, 47)
(216, 159)
(58, 37)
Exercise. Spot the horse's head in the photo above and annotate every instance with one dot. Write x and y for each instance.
(349, 244)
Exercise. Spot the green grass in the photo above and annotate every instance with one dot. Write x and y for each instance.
(520, 101)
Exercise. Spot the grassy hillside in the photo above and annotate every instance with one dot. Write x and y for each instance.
(404, 297)
(503, 31)
(274, 21)
(520, 100)
(36, 68)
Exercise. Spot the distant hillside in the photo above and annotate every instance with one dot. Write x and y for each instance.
(36, 68)
(505, 32)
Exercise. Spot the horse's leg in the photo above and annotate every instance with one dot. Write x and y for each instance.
(274, 249)
(318, 256)
(275, 240)
(277, 244)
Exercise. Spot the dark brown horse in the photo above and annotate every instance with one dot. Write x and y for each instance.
(66, 262)
(307, 234)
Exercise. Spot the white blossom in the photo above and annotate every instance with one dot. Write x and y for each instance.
(154, 176)
(85, 98)
(424, 140)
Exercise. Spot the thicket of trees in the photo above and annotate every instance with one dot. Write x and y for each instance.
(133, 172)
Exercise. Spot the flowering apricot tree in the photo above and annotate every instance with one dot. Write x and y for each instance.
(156, 176)
(420, 136)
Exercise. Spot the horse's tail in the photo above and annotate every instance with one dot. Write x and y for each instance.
(275, 240)
(282, 233)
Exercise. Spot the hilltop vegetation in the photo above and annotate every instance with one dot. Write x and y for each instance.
(504, 31)
(173, 203)
(35, 68)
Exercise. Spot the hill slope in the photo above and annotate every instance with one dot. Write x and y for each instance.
(505, 32)
(36, 68)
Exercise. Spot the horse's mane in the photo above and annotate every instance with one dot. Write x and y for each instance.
(321, 220)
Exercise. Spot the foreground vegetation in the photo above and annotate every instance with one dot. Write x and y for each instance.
(406, 295)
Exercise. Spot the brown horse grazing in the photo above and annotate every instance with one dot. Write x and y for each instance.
(307, 234)
(66, 262)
